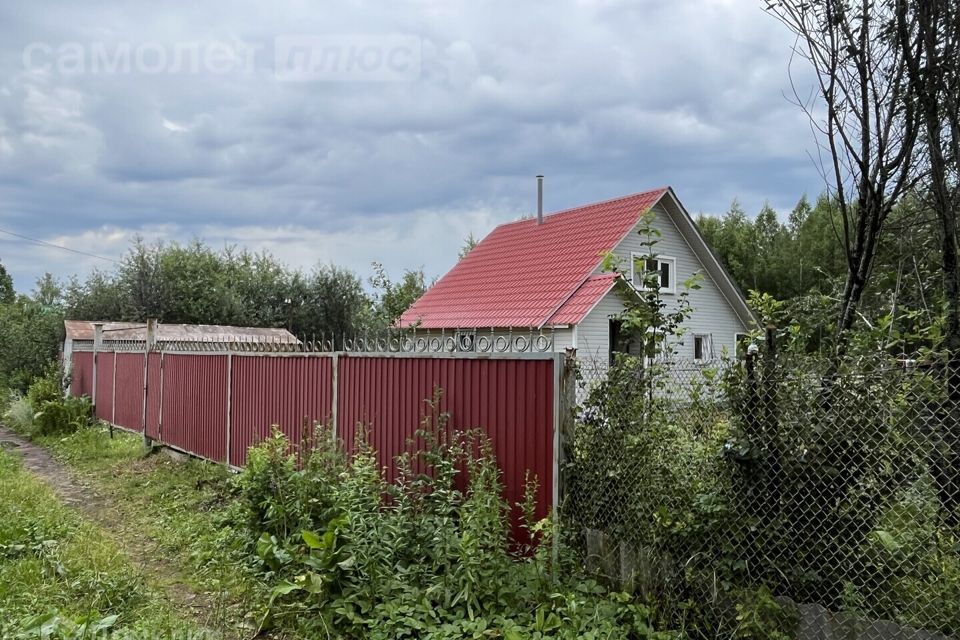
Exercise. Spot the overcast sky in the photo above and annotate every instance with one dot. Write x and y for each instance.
(355, 131)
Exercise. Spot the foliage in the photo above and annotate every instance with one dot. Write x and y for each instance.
(195, 284)
(62, 575)
(801, 264)
(353, 556)
(45, 388)
(761, 481)
(30, 337)
(469, 243)
(18, 414)
(393, 298)
(52, 411)
(7, 293)
(182, 509)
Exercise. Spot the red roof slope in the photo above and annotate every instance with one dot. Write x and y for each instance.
(523, 272)
(583, 299)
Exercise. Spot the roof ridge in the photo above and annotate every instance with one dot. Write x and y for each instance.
(588, 205)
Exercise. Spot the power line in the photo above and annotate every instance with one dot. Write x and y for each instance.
(44, 243)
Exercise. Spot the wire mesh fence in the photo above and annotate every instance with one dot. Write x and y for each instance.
(773, 495)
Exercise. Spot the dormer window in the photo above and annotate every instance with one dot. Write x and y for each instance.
(644, 266)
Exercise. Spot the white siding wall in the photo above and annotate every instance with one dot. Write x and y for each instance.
(712, 314)
(593, 336)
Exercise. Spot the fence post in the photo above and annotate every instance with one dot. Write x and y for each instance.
(97, 339)
(773, 455)
(229, 402)
(334, 394)
(751, 401)
(160, 409)
(113, 391)
(566, 391)
(147, 348)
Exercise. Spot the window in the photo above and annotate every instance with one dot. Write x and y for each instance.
(619, 340)
(663, 266)
(703, 347)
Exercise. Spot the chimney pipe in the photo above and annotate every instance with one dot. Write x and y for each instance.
(539, 199)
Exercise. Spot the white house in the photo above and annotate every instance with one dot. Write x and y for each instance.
(546, 274)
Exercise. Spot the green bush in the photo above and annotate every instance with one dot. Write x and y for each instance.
(772, 485)
(45, 410)
(64, 415)
(46, 388)
(19, 413)
(420, 558)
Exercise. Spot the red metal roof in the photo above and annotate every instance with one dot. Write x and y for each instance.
(583, 299)
(523, 272)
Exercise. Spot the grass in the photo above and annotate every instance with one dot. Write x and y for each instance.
(183, 507)
(59, 568)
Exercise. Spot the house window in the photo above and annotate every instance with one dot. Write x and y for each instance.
(702, 347)
(663, 266)
(619, 340)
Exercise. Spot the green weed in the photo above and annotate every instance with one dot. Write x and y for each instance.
(62, 575)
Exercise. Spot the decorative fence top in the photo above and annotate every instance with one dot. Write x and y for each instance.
(399, 341)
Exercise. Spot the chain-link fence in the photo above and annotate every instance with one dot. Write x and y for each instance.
(773, 495)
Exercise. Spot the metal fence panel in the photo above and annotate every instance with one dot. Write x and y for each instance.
(194, 407)
(104, 386)
(288, 391)
(81, 381)
(128, 392)
(510, 400)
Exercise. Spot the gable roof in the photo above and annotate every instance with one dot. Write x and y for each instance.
(525, 274)
(583, 300)
(522, 272)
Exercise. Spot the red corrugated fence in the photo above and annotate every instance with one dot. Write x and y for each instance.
(511, 401)
(128, 391)
(216, 405)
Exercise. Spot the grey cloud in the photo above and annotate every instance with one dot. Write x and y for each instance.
(606, 98)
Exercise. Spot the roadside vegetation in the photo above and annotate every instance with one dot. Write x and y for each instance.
(330, 549)
(62, 577)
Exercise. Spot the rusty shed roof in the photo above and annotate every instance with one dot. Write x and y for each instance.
(83, 330)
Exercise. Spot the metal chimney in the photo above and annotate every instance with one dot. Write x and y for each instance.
(539, 199)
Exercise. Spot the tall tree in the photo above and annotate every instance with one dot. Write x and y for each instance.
(929, 34)
(393, 298)
(7, 293)
(866, 126)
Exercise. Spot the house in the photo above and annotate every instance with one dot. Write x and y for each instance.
(546, 274)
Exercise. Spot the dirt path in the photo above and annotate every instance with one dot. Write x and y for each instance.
(78, 495)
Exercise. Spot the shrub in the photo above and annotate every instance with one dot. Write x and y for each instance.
(45, 410)
(64, 415)
(46, 388)
(19, 413)
(429, 556)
